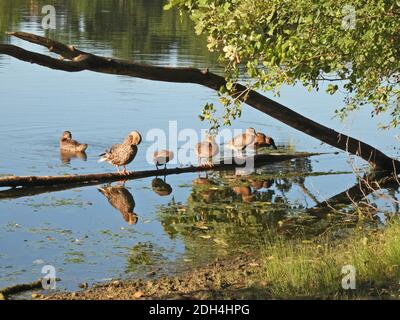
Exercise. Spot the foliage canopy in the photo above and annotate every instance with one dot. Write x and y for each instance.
(353, 47)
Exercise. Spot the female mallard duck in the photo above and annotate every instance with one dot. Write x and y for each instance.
(206, 150)
(242, 141)
(124, 153)
(162, 157)
(70, 145)
(121, 199)
(262, 140)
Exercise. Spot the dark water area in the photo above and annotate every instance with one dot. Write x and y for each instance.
(173, 225)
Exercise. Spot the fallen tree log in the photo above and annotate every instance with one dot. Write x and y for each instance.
(98, 178)
(78, 60)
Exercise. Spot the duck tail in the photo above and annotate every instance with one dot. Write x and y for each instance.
(83, 147)
(103, 158)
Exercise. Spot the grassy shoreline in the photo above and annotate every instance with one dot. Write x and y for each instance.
(282, 269)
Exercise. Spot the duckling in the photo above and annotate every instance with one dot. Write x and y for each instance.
(121, 199)
(262, 140)
(70, 145)
(162, 157)
(206, 150)
(242, 141)
(124, 153)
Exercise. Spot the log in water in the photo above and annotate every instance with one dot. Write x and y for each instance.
(98, 178)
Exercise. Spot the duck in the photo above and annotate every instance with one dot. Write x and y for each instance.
(70, 145)
(124, 153)
(162, 157)
(207, 149)
(121, 199)
(242, 141)
(262, 140)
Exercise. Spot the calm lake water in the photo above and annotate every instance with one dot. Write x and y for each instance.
(77, 230)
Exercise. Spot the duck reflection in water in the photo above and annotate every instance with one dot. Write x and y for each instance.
(245, 192)
(208, 193)
(161, 187)
(67, 156)
(248, 193)
(121, 199)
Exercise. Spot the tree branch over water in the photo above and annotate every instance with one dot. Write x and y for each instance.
(74, 60)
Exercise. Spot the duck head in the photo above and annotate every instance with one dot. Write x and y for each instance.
(270, 142)
(210, 137)
(251, 131)
(131, 218)
(66, 135)
(134, 138)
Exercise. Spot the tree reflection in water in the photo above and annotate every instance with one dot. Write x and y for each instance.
(226, 211)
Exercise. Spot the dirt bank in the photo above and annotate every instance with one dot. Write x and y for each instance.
(237, 278)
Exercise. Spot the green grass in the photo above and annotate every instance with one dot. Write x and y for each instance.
(312, 269)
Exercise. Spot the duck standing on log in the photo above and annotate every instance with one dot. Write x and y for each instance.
(242, 141)
(162, 157)
(206, 150)
(262, 140)
(67, 144)
(124, 153)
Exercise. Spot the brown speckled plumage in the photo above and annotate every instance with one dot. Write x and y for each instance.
(70, 145)
(242, 141)
(121, 199)
(124, 153)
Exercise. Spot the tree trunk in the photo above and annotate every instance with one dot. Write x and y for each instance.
(80, 60)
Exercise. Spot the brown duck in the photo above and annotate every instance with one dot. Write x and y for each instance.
(69, 145)
(162, 157)
(262, 140)
(121, 199)
(124, 153)
(206, 150)
(242, 141)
